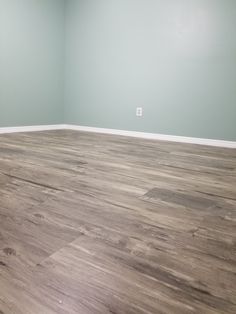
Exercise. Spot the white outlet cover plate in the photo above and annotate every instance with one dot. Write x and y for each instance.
(139, 111)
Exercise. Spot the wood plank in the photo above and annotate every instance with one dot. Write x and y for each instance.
(93, 223)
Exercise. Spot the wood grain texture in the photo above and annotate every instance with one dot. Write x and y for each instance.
(102, 224)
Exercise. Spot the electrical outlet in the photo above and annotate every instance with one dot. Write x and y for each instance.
(139, 111)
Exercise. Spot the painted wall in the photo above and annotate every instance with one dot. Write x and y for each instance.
(31, 62)
(174, 58)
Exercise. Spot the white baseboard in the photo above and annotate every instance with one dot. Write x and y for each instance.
(33, 128)
(154, 136)
(150, 136)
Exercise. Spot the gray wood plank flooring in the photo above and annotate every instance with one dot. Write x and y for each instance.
(102, 224)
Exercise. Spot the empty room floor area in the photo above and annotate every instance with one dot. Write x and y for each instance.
(96, 224)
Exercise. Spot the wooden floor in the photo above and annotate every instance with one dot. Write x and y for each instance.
(107, 224)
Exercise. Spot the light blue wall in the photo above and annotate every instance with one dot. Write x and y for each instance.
(174, 58)
(31, 62)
